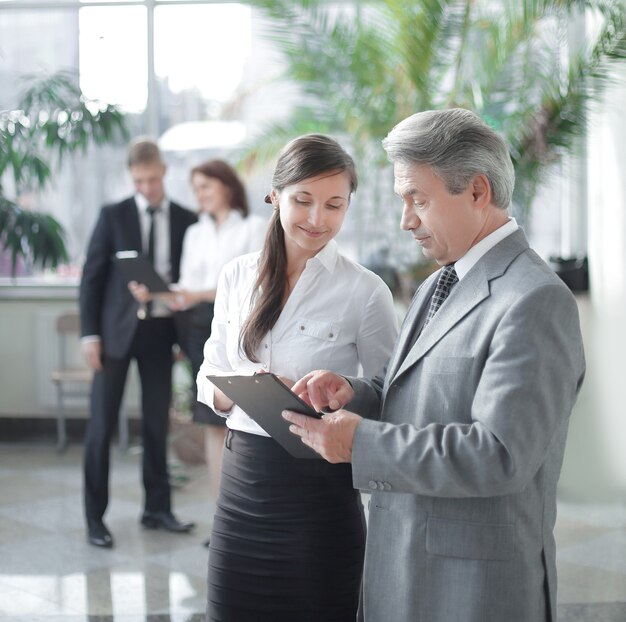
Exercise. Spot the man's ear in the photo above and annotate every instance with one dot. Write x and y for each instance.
(481, 190)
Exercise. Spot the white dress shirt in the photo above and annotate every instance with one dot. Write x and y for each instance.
(207, 248)
(463, 265)
(162, 259)
(339, 316)
(162, 263)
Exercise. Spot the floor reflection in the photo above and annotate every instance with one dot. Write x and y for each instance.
(48, 572)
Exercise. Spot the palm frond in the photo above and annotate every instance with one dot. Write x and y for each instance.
(561, 116)
(33, 236)
(265, 146)
(362, 73)
(52, 119)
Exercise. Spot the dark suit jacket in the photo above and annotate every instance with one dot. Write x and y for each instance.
(107, 308)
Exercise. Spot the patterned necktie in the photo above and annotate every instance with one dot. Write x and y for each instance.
(446, 280)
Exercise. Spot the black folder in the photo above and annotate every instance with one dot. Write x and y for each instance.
(136, 267)
(263, 397)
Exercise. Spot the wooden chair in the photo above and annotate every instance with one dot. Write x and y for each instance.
(72, 380)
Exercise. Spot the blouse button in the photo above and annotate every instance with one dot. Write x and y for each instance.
(302, 327)
(330, 335)
(265, 346)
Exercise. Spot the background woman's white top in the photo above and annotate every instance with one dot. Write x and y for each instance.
(339, 316)
(207, 248)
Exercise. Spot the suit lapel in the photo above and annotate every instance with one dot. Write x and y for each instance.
(176, 233)
(130, 212)
(415, 311)
(173, 228)
(465, 296)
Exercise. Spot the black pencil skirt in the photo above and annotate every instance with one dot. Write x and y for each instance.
(288, 537)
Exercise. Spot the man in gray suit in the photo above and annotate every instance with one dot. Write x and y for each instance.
(462, 442)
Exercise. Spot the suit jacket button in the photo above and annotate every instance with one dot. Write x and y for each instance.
(386, 486)
(372, 484)
(380, 486)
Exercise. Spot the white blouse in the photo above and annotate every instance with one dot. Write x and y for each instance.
(207, 248)
(339, 316)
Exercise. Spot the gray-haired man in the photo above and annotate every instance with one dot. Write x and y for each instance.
(462, 442)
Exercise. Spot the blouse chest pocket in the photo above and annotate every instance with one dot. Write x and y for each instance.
(314, 329)
(314, 342)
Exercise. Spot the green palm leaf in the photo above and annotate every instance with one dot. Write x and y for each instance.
(362, 72)
(51, 120)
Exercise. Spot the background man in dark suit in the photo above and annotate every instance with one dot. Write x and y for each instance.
(113, 334)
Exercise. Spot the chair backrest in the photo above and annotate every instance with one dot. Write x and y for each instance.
(68, 322)
(68, 327)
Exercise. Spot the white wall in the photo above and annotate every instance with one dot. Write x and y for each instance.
(30, 348)
(596, 455)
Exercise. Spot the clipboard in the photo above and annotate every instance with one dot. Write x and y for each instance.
(137, 267)
(263, 397)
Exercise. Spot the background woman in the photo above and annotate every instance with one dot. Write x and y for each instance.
(224, 231)
(288, 534)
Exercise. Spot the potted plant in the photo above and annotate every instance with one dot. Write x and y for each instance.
(361, 72)
(51, 120)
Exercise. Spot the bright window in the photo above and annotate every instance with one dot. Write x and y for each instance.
(113, 55)
(202, 47)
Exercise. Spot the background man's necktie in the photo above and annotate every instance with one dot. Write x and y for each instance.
(151, 233)
(151, 248)
(446, 280)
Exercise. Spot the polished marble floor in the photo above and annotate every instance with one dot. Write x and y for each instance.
(48, 572)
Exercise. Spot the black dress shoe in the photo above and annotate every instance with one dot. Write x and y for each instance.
(165, 520)
(98, 534)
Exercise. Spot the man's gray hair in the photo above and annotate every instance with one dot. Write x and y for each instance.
(458, 145)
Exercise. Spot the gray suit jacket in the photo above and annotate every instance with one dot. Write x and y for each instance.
(464, 458)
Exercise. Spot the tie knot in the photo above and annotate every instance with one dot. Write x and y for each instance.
(447, 277)
(153, 209)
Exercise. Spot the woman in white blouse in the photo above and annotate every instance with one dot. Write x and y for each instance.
(224, 231)
(288, 534)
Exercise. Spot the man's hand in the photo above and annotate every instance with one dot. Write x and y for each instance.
(331, 436)
(92, 353)
(180, 299)
(140, 292)
(323, 389)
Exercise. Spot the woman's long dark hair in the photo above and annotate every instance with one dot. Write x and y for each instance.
(223, 171)
(308, 156)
